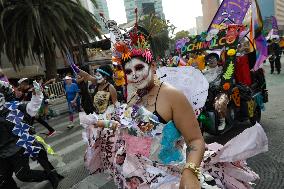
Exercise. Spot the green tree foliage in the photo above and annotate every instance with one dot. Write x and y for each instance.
(181, 34)
(32, 28)
(159, 30)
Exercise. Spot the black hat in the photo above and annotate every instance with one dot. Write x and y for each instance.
(212, 54)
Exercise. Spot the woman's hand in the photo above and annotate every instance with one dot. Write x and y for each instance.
(114, 125)
(189, 180)
(73, 102)
(109, 124)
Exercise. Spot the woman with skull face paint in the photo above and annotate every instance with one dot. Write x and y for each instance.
(155, 127)
(167, 106)
(105, 93)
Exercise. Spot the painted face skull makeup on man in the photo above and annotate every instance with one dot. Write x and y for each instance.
(138, 73)
(2, 101)
(99, 77)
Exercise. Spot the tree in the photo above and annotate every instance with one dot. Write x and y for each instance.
(35, 28)
(159, 31)
(181, 34)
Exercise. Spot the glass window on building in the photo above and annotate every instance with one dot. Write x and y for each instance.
(148, 8)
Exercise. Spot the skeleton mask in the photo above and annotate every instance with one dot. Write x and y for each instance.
(2, 101)
(99, 77)
(138, 73)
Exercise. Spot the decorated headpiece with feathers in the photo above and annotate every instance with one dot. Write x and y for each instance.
(134, 43)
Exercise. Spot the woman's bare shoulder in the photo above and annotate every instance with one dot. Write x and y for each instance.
(172, 93)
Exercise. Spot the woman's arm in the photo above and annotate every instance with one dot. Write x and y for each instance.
(80, 79)
(34, 105)
(83, 74)
(186, 122)
(113, 94)
(75, 99)
(77, 93)
(50, 81)
(87, 76)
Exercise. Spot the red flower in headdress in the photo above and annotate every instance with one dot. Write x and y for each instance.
(134, 38)
(122, 48)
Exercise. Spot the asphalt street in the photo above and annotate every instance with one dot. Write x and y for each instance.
(269, 166)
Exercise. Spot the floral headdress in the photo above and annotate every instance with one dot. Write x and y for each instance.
(134, 43)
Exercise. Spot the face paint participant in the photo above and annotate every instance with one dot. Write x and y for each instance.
(14, 156)
(161, 102)
(138, 74)
(104, 93)
(154, 124)
(99, 77)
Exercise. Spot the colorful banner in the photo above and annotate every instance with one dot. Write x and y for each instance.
(211, 40)
(261, 51)
(230, 12)
(270, 27)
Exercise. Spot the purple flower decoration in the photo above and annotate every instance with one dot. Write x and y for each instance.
(20, 129)
(25, 140)
(15, 117)
(32, 151)
(181, 42)
(12, 105)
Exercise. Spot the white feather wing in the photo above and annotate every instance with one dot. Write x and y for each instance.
(189, 80)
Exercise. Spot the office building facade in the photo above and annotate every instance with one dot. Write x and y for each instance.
(279, 14)
(101, 8)
(145, 7)
(199, 25)
(209, 9)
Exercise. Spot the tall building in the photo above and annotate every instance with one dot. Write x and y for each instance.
(101, 8)
(279, 14)
(192, 31)
(209, 9)
(199, 25)
(144, 7)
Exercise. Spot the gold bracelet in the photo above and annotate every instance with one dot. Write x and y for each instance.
(195, 170)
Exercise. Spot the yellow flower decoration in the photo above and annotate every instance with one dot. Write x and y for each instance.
(231, 52)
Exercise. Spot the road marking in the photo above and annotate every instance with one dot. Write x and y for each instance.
(42, 128)
(66, 138)
(62, 152)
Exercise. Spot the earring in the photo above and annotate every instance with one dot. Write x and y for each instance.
(157, 81)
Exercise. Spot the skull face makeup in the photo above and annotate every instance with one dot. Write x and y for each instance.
(99, 77)
(2, 101)
(138, 73)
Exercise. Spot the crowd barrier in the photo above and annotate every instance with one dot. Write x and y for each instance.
(55, 90)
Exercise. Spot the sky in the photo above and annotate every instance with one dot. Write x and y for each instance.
(181, 13)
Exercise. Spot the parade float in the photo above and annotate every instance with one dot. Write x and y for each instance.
(240, 101)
